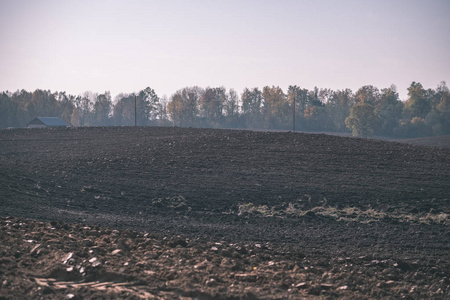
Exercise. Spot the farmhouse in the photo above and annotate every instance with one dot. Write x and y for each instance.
(47, 122)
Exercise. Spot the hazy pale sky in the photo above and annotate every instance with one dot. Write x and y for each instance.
(125, 46)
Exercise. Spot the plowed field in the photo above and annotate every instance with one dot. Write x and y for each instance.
(200, 213)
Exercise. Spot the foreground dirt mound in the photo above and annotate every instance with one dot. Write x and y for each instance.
(200, 213)
(58, 260)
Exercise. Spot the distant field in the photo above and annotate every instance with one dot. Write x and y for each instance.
(442, 141)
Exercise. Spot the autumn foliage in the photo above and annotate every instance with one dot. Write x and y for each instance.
(366, 112)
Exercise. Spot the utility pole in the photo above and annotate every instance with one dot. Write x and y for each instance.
(135, 110)
(293, 117)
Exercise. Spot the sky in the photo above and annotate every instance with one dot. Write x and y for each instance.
(126, 46)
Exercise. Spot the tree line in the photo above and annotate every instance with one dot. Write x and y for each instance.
(366, 112)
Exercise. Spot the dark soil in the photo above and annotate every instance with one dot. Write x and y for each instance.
(435, 141)
(198, 213)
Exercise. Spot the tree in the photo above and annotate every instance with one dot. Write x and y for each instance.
(183, 106)
(443, 97)
(232, 107)
(362, 120)
(368, 94)
(311, 114)
(81, 116)
(276, 107)
(389, 110)
(162, 118)
(338, 108)
(313, 98)
(325, 95)
(148, 106)
(123, 111)
(417, 104)
(251, 101)
(66, 105)
(8, 112)
(42, 103)
(298, 97)
(102, 109)
(212, 103)
(21, 99)
(439, 116)
(252, 104)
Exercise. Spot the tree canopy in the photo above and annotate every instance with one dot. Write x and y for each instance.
(368, 111)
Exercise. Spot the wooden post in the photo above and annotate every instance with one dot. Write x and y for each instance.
(293, 117)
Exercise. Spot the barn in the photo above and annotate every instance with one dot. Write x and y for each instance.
(47, 122)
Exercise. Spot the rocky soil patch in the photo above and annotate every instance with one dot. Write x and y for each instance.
(58, 260)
